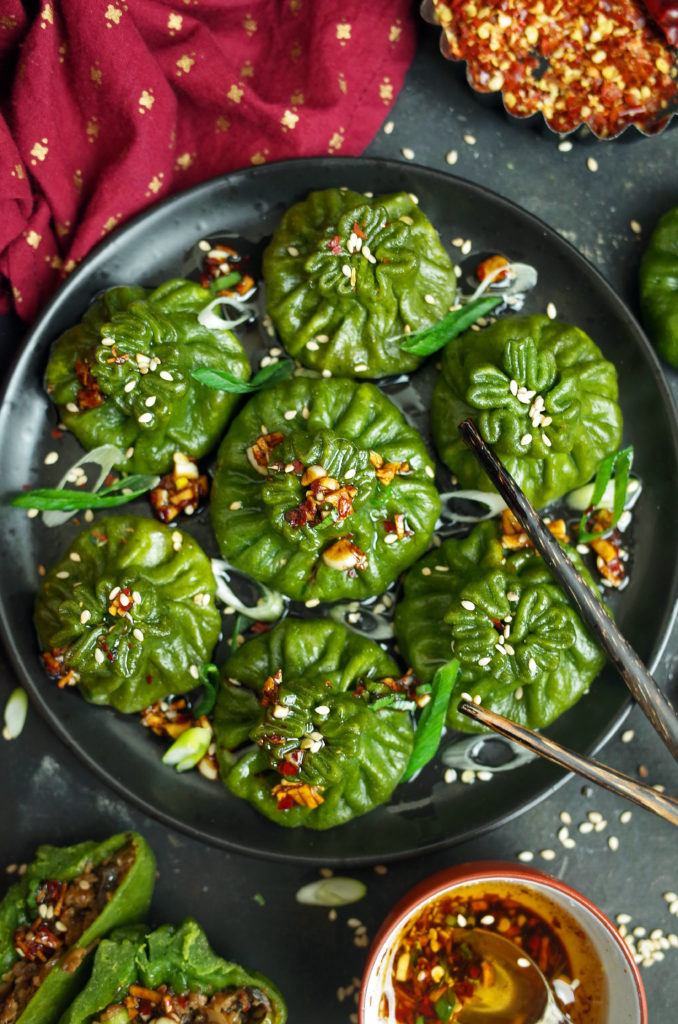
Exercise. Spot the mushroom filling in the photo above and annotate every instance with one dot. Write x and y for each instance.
(246, 1005)
(65, 911)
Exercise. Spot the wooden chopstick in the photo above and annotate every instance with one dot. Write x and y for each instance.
(645, 690)
(623, 785)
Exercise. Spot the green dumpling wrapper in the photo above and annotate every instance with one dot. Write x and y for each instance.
(302, 695)
(540, 393)
(262, 518)
(658, 278)
(139, 348)
(183, 963)
(340, 298)
(125, 870)
(456, 603)
(130, 609)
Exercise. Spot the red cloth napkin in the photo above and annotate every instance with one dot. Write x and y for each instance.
(107, 107)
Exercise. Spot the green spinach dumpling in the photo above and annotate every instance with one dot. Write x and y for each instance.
(659, 286)
(345, 275)
(123, 375)
(323, 491)
(171, 973)
(303, 694)
(129, 611)
(521, 645)
(51, 920)
(541, 394)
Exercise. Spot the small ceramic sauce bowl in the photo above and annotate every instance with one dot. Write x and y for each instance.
(607, 989)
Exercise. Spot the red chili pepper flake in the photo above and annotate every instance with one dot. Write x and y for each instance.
(334, 245)
(605, 65)
(56, 433)
(149, 679)
(357, 230)
(285, 768)
(285, 803)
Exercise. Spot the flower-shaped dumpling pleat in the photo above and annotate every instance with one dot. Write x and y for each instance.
(346, 275)
(658, 280)
(130, 611)
(542, 396)
(322, 490)
(305, 695)
(521, 646)
(123, 375)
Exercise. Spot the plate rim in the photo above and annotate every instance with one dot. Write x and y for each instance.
(92, 261)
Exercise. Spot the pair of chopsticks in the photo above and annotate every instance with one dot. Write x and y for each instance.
(643, 687)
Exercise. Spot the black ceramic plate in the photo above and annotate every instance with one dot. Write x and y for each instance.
(427, 813)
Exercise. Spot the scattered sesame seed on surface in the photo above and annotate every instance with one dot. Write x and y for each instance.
(426, 571)
(613, 843)
(31, 513)
(468, 776)
(451, 157)
(292, 250)
(627, 736)
(635, 227)
(547, 854)
(470, 140)
(407, 153)
(585, 827)
(594, 816)
(466, 247)
(312, 602)
(450, 775)
(526, 856)
(551, 311)
(625, 817)
(458, 242)
(565, 146)
(388, 127)
(565, 818)
(380, 869)
(592, 164)
(484, 775)
(51, 458)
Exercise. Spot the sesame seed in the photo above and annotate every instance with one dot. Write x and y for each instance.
(487, 919)
(361, 367)
(51, 458)
(639, 931)
(670, 897)
(513, 387)
(129, 453)
(145, 417)
(565, 146)
(635, 227)
(532, 665)
(547, 854)
(526, 439)
(346, 270)
(108, 342)
(426, 571)
(407, 153)
(565, 818)
(585, 827)
(313, 602)
(290, 414)
(430, 471)
(235, 505)
(625, 817)
(72, 407)
(484, 661)
(279, 711)
(613, 843)
(477, 699)
(627, 736)
(138, 634)
(292, 250)
(466, 247)
(484, 776)
(466, 696)
(85, 616)
(592, 164)
(470, 140)
(594, 816)
(430, 299)
(526, 856)
(450, 775)
(623, 918)
(546, 440)
(522, 961)
(193, 671)
(322, 709)
(98, 655)
(62, 575)
(327, 373)
(518, 693)
(468, 776)
(509, 649)
(165, 375)
(150, 401)
(390, 538)
(468, 605)
(551, 311)
(388, 127)
(451, 157)
(31, 513)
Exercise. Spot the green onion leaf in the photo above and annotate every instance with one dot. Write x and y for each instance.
(220, 380)
(188, 749)
(55, 499)
(430, 727)
(444, 1008)
(423, 343)
(395, 701)
(227, 281)
(241, 623)
(258, 898)
(16, 709)
(209, 677)
(620, 463)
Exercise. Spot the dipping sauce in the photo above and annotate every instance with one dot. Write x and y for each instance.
(435, 973)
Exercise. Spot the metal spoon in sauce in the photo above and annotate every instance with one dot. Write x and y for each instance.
(520, 994)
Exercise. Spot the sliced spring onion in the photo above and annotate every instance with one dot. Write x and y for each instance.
(105, 456)
(423, 343)
(620, 464)
(220, 380)
(581, 499)
(270, 606)
(331, 892)
(430, 727)
(54, 499)
(208, 318)
(227, 281)
(16, 710)
(188, 749)
(394, 701)
(523, 277)
(209, 677)
(493, 502)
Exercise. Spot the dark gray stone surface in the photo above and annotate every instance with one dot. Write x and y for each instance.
(47, 796)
